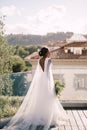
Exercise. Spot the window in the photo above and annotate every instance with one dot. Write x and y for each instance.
(80, 81)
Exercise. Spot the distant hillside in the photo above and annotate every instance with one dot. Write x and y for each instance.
(21, 39)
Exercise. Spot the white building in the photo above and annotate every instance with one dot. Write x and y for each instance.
(73, 73)
(76, 38)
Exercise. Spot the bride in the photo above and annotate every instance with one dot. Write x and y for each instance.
(41, 107)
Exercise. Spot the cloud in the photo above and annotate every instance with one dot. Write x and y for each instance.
(16, 28)
(10, 10)
(78, 26)
(51, 14)
(44, 21)
(84, 29)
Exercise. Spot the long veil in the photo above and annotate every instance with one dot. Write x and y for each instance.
(40, 105)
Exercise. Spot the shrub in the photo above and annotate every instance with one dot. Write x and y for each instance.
(9, 105)
(6, 85)
(58, 87)
(19, 64)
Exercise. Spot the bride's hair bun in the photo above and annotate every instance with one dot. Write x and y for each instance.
(40, 53)
(43, 51)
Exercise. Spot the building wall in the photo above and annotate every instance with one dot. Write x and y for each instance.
(75, 50)
(75, 79)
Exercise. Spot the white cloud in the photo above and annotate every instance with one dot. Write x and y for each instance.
(10, 11)
(16, 28)
(51, 14)
(78, 26)
(46, 20)
(84, 28)
(51, 19)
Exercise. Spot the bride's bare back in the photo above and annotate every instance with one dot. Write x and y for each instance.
(41, 62)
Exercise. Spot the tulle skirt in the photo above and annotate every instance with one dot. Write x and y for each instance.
(40, 107)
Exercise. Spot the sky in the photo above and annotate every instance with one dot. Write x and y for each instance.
(40, 17)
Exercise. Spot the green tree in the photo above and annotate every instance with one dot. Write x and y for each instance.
(32, 49)
(20, 50)
(19, 64)
(6, 52)
(6, 62)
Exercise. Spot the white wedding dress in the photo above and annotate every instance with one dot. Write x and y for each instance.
(40, 105)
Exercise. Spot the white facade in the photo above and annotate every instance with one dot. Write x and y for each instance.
(75, 79)
(75, 50)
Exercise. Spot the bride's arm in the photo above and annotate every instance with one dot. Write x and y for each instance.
(48, 64)
(50, 74)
